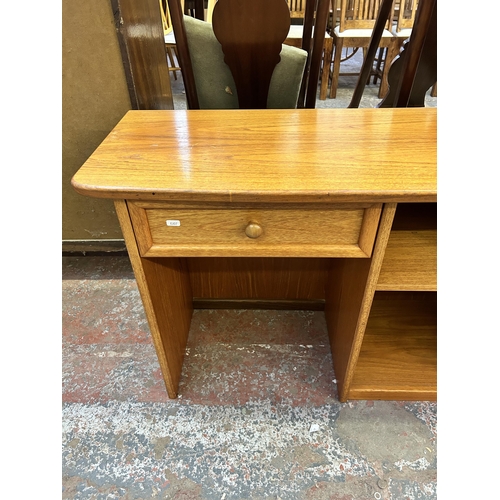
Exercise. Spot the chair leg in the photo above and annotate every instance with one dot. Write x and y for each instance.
(365, 51)
(336, 67)
(382, 55)
(371, 73)
(174, 62)
(171, 61)
(325, 73)
(392, 52)
(176, 55)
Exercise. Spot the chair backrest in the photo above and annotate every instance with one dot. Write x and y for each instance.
(251, 34)
(215, 84)
(414, 71)
(360, 14)
(166, 19)
(297, 8)
(210, 9)
(406, 15)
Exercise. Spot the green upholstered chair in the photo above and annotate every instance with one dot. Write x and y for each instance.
(214, 81)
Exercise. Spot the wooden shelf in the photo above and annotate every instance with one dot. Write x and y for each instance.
(410, 261)
(398, 357)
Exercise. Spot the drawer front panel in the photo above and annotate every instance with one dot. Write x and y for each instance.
(164, 229)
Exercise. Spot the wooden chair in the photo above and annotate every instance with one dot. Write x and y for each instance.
(296, 34)
(357, 20)
(403, 26)
(210, 10)
(170, 45)
(403, 18)
(402, 29)
(414, 71)
(246, 45)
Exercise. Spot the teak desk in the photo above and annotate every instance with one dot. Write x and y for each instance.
(330, 209)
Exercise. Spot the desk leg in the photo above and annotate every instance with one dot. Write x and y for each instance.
(349, 294)
(168, 303)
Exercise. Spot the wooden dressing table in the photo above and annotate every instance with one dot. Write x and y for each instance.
(330, 209)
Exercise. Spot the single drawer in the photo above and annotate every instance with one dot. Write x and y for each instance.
(165, 229)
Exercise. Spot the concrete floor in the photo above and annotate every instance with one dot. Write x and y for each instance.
(257, 417)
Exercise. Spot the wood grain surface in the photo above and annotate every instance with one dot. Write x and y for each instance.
(398, 357)
(166, 295)
(327, 155)
(258, 278)
(410, 262)
(308, 178)
(286, 230)
(349, 292)
(142, 43)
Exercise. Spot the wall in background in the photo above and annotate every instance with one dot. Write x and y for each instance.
(113, 59)
(94, 98)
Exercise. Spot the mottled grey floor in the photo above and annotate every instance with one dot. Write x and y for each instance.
(160, 450)
(257, 416)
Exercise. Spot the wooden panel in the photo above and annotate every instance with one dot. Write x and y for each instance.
(344, 295)
(254, 230)
(258, 278)
(166, 295)
(142, 41)
(410, 261)
(349, 293)
(267, 155)
(398, 358)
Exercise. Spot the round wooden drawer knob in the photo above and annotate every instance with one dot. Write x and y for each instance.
(253, 230)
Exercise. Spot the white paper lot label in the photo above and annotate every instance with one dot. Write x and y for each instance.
(173, 222)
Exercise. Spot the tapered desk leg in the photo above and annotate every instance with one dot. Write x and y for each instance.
(350, 290)
(168, 303)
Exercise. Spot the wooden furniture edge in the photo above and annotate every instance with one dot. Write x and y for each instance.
(371, 285)
(349, 297)
(369, 229)
(396, 395)
(170, 368)
(116, 193)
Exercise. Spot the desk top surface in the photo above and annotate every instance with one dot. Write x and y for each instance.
(308, 155)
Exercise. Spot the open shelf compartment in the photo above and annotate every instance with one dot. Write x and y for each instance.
(410, 260)
(398, 357)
